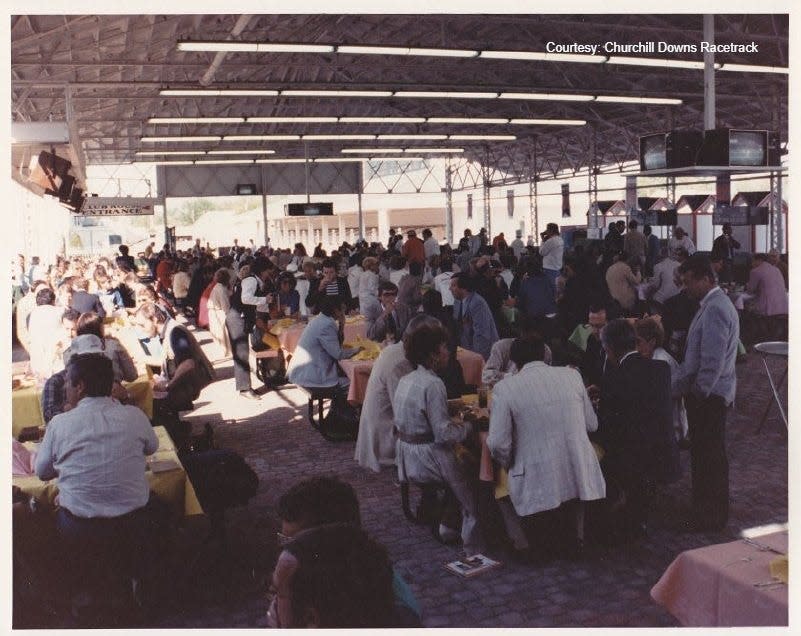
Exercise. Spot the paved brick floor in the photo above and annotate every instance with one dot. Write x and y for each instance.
(609, 588)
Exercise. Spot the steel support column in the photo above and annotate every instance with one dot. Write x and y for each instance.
(533, 209)
(263, 177)
(448, 202)
(486, 189)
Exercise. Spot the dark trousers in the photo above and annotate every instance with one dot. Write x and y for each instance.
(239, 332)
(706, 418)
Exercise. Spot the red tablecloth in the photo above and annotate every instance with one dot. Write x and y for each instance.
(716, 586)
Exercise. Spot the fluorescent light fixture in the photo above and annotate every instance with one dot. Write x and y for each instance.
(172, 163)
(261, 137)
(382, 120)
(620, 99)
(656, 62)
(541, 56)
(549, 97)
(752, 68)
(226, 45)
(218, 92)
(340, 159)
(465, 120)
(280, 161)
(222, 161)
(272, 47)
(433, 150)
(334, 93)
(337, 137)
(196, 120)
(182, 139)
(241, 152)
(167, 153)
(360, 151)
(404, 50)
(291, 120)
(443, 52)
(417, 137)
(549, 122)
(446, 94)
(254, 47)
(482, 137)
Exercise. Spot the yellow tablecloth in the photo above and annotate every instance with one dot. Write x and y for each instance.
(26, 409)
(171, 486)
(26, 403)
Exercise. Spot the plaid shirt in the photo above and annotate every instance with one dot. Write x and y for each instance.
(53, 396)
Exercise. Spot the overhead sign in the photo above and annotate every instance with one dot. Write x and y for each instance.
(119, 206)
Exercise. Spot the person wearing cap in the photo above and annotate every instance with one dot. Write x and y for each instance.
(552, 250)
(517, 245)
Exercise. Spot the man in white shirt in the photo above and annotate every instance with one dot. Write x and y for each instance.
(430, 245)
(552, 251)
(442, 282)
(663, 285)
(97, 450)
(680, 239)
(517, 245)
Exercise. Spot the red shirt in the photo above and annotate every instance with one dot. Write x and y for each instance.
(164, 274)
(414, 250)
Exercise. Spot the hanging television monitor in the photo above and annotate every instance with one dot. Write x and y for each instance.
(673, 149)
(309, 209)
(740, 148)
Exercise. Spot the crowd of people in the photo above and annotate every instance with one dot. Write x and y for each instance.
(602, 362)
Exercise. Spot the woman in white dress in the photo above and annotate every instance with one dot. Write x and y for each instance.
(218, 305)
(650, 338)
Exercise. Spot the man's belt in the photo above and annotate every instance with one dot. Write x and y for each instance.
(420, 438)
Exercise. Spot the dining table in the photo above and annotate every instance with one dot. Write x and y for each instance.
(165, 473)
(358, 373)
(740, 583)
(289, 331)
(26, 401)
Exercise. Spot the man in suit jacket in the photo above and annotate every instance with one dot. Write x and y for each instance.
(319, 350)
(389, 318)
(723, 249)
(538, 430)
(636, 424)
(708, 380)
(83, 301)
(473, 316)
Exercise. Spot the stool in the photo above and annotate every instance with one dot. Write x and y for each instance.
(265, 354)
(430, 490)
(319, 393)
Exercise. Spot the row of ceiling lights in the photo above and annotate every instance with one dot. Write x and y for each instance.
(396, 151)
(367, 120)
(540, 56)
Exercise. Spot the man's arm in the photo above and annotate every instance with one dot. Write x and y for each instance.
(436, 409)
(715, 336)
(483, 330)
(250, 288)
(499, 441)
(45, 459)
(495, 367)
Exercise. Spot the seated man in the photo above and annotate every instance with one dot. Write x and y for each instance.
(328, 285)
(538, 430)
(770, 302)
(185, 369)
(323, 500)
(390, 322)
(476, 325)
(319, 350)
(375, 444)
(97, 450)
(332, 576)
(500, 364)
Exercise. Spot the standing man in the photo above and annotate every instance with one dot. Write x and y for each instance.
(246, 299)
(413, 249)
(723, 248)
(635, 244)
(430, 244)
(551, 251)
(651, 251)
(517, 245)
(681, 240)
(708, 380)
(477, 331)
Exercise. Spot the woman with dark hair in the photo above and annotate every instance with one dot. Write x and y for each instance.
(288, 297)
(426, 433)
(122, 363)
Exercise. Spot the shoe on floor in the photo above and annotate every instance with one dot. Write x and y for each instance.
(250, 394)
